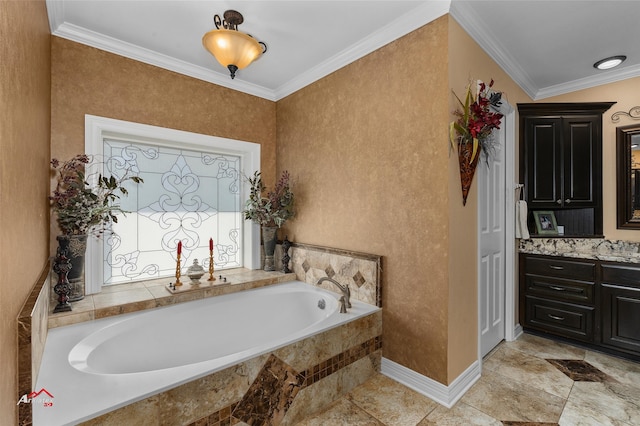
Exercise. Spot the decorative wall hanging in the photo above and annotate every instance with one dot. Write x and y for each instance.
(472, 130)
(633, 113)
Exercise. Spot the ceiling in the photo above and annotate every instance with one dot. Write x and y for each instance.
(547, 47)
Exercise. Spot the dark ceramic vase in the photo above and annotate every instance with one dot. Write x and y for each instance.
(269, 234)
(76, 248)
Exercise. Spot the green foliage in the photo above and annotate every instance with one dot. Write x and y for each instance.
(274, 209)
(80, 207)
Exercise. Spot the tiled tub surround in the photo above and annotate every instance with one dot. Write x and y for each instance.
(362, 271)
(334, 344)
(299, 377)
(585, 248)
(32, 335)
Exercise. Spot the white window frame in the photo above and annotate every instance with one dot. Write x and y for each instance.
(97, 128)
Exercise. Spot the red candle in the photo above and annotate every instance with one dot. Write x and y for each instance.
(179, 248)
(211, 244)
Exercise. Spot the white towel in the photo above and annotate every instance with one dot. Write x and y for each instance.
(521, 220)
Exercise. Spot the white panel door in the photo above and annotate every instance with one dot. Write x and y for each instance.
(491, 221)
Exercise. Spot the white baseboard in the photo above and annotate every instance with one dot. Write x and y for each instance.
(517, 332)
(444, 395)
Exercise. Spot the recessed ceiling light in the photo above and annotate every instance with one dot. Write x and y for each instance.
(610, 62)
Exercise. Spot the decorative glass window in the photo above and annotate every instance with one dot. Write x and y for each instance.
(188, 196)
(193, 191)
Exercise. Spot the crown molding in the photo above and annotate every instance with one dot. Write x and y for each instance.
(611, 76)
(397, 28)
(481, 35)
(131, 51)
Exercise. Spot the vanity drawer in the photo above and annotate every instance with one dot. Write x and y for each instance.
(560, 289)
(627, 275)
(561, 268)
(560, 318)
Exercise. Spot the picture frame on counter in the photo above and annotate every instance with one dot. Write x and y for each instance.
(545, 222)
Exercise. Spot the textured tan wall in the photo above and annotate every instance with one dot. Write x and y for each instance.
(627, 95)
(367, 149)
(90, 81)
(467, 61)
(24, 174)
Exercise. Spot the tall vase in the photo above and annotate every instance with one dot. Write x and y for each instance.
(269, 242)
(467, 167)
(76, 247)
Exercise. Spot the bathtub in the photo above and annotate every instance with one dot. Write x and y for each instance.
(96, 367)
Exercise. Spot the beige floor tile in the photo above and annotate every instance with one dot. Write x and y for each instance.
(532, 370)
(459, 414)
(505, 399)
(622, 370)
(391, 402)
(602, 404)
(545, 348)
(342, 413)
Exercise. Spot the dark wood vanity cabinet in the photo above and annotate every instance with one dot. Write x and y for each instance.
(561, 162)
(589, 301)
(621, 307)
(559, 296)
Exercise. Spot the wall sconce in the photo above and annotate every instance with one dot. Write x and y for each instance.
(233, 49)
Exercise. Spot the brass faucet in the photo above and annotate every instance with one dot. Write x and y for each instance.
(346, 293)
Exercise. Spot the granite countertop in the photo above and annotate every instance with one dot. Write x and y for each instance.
(583, 248)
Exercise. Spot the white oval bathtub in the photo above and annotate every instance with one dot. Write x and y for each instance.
(202, 330)
(147, 352)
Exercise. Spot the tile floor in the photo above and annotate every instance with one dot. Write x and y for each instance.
(532, 381)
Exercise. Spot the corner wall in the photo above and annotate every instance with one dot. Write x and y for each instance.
(25, 103)
(467, 63)
(367, 149)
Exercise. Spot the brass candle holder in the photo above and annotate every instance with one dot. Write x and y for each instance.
(211, 277)
(178, 283)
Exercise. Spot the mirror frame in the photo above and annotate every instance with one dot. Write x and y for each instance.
(623, 176)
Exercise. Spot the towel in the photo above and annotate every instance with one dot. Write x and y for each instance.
(521, 220)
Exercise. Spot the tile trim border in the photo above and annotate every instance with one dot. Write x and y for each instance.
(369, 257)
(442, 394)
(28, 356)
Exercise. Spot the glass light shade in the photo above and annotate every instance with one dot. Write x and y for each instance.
(232, 47)
(609, 63)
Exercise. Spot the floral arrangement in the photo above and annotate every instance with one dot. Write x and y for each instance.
(80, 207)
(274, 209)
(476, 119)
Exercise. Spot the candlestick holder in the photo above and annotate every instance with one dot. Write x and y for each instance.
(178, 283)
(62, 266)
(286, 244)
(211, 277)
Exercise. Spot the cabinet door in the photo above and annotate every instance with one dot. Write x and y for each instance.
(581, 162)
(543, 151)
(621, 317)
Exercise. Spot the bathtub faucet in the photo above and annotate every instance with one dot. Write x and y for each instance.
(346, 292)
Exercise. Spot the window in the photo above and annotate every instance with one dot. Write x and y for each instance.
(193, 190)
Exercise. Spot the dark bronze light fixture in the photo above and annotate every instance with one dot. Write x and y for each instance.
(233, 49)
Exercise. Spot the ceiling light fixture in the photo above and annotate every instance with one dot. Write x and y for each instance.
(233, 49)
(610, 62)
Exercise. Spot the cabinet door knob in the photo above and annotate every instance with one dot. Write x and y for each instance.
(557, 268)
(555, 317)
(567, 201)
(558, 201)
